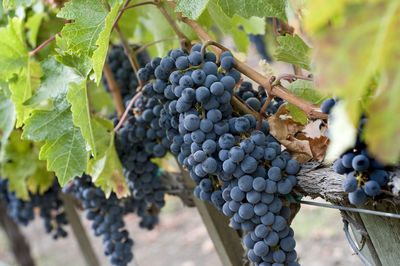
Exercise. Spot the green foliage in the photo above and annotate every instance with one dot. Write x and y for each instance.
(259, 8)
(66, 155)
(78, 97)
(364, 45)
(106, 169)
(293, 50)
(191, 9)
(306, 90)
(7, 115)
(20, 165)
(13, 54)
(89, 34)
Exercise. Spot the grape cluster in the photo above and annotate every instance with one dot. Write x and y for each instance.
(106, 215)
(49, 204)
(256, 99)
(364, 175)
(238, 168)
(123, 72)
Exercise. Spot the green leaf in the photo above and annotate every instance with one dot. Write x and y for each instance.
(253, 25)
(382, 131)
(78, 97)
(66, 156)
(241, 40)
(106, 170)
(222, 21)
(7, 115)
(259, 8)
(100, 100)
(306, 90)
(13, 54)
(33, 24)
(54, 73)
(100, 54)
(293, 50)
(18, 160)
(41, 180)
(191, 9)
(13, 4)
(49, 124)
(21, 87)
(155, 20)
(89, 20)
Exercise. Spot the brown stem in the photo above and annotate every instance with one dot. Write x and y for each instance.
(114, 89)
(276, 31)
(120, 14)
(139, 4)
(211, 42)
(125, 114)
(128, 53)
(291, 77)
(263, 110)
(297, 70)
(43, 44)
(144, 47)
(309, 108)
(185, 42)
(286, 28)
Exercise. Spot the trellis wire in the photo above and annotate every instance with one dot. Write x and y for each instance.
(353, 245)
(325, 205)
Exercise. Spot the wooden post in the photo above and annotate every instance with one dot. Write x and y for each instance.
(79, 232)
(382, 241)
(18, 243)
(227, 241)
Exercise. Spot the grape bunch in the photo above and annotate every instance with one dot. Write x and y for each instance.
(123, 72)
(49, 204)
(238, 168)
(256, 99)
(106, 215)
(364, 175)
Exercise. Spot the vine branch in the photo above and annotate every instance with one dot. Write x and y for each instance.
(41, 46)
(128, 108)
(114, 89)
(144, 47)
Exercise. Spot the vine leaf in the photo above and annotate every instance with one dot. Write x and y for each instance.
(285, 130)
(103, 41)
(106, 170)
(100, 100)
(33, 24)
(293, 50)
(191, 9)
(89, 34)
(365, 46)
(16, 67)
(41, 180)
(49, 124)
(259, 8)
(13, 54)
(54, 73)
(306, 90)
(7, 115)
(78, 97)
(64, 148)
(65, 155)
(19, 160)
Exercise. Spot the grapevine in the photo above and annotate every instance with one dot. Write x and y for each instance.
(98, 104)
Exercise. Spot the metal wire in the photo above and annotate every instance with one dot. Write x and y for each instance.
(325, 205)
(353, 245)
